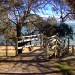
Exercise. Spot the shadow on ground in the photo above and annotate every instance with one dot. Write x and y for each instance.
(29, 67)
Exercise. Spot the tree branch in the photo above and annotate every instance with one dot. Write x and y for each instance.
(26, 12)
(68, 14)
(12, 21)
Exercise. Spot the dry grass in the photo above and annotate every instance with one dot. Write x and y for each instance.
(10, 50)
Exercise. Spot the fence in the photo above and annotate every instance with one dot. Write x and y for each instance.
(28, 41)
(11, 50)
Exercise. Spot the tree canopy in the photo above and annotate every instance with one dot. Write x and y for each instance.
(59, 29)
(15, 14)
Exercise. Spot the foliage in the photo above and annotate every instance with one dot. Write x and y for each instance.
(34, 23)
(16, 14)
(62, 30)
(63, 67)
(71, 4)
(52, 21)
(64, 8)
(19, 12)
(8, 31)
(66, 70)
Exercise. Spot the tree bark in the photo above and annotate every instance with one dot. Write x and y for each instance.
(18, 35)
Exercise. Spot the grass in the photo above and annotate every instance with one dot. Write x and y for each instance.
(65, 69)
(10, 54)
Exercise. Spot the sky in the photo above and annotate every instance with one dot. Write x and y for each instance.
(47, 11)
(44, 12)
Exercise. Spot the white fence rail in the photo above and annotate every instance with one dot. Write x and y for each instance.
(27, 39)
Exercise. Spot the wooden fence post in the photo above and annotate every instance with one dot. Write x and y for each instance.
(72, 50)
(16, 45)
(6, 49)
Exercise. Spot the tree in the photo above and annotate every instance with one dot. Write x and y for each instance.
(8, 31)
(64, 30)
(17, 12)
(61, 30)
(64, 8)
(34, 23)
(71, 4)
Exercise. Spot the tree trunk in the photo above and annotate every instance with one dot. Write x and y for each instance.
(68, 46)
(18, 35)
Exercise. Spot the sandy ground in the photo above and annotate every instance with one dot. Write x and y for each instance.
(35, 68)
(29, 68)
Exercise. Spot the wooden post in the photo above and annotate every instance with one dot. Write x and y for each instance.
(46, 47)
(72, 50)
(42, 40)
(16, 45)
(6, 49)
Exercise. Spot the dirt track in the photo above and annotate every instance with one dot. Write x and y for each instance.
(36, 68)
(31, 68)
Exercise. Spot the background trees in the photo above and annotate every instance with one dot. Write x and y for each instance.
(59, 29)
(16, 14)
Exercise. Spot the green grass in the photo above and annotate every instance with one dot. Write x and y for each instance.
(2, 54)
(65, 69)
